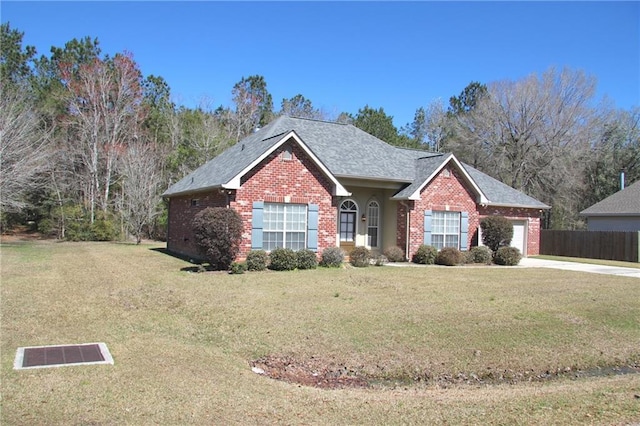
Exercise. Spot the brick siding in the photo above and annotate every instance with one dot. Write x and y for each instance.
(296, 181)
(451, 193)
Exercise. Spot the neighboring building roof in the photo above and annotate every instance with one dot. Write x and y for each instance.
(344, 151)
(623, 203)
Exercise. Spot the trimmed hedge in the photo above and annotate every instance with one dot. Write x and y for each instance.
(332, 257)
(257, 260)
(306, 259)
(425, 255)
(360, 257)
(394, 254)
(480, 254)
(507, 256)
(282, 259)
(449, 256)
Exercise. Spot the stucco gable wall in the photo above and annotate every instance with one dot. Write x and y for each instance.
(297, 181)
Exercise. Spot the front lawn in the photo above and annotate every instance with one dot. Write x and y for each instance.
(426, 344)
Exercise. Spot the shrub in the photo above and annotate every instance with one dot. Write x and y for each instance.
(217, 232)
(306, 259)
(380, 260)
(103, 230)
(237, 268)
(394, 254)
(332, 257)
(449, 256)
(480, 254)
(282, 259)
(360, 257)
(497, 231)
(257, 260)
(425, 255)
(508, 256)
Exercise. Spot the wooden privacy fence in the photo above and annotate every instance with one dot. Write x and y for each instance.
(609, 245)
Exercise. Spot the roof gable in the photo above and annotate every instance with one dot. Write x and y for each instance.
(623, 203)
(427, 169)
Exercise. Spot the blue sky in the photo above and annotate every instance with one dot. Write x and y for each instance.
(345, 55)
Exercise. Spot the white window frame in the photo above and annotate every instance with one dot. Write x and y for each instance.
(348, 206)
(278, 222)
(373, 222)
(445, 224)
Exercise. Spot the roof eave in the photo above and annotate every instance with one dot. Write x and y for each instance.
(517, 206)
(192, 191)
(631, 214)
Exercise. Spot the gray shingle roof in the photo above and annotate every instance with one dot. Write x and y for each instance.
(500, 194)
(622, 203)
(345, 151)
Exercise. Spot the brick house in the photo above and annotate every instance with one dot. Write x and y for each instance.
(302, 183)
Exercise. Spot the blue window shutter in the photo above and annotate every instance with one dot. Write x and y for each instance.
(428, 214)
(256, 225)
(312, 228)
(464, 230)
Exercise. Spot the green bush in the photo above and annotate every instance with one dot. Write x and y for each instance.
(449, 256)
(479, 254)
(497, 231)
(360, 257)
(103, 230)
(508, 256)
(257, 260)
(282, 259)
(332, 257)
(217, 233)
(306, 259)
(237, 268)
(425, 255)
(394, 254)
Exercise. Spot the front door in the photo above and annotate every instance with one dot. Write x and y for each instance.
(348, 224)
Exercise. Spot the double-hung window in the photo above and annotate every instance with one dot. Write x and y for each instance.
(285, 226)
(445, 230)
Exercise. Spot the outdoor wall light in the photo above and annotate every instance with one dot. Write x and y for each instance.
(363, 218)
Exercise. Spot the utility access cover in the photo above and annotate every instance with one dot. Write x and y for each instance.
(62, 355)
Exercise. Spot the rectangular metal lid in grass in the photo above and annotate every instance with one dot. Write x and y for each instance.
(61, 355)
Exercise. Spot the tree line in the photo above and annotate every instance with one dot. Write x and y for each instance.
(89, 143)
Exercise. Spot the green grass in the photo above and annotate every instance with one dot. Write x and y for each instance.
(183, 342)
(590, 261)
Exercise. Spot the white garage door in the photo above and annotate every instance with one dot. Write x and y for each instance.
(519, 239)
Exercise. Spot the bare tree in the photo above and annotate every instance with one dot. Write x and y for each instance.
(531, 133)
(23, 150)
(103, 112)
(141, 183)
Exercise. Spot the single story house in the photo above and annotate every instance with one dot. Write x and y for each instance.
(618, 212)
(303, 183)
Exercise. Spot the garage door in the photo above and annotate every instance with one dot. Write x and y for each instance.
(519, 239)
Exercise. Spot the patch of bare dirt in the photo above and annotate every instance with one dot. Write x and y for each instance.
(312, 372)
(20, 234)
(331, 375)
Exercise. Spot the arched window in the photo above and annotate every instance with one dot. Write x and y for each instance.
(373, 223)
(348, 220)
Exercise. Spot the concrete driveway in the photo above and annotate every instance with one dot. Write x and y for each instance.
(530, 262)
